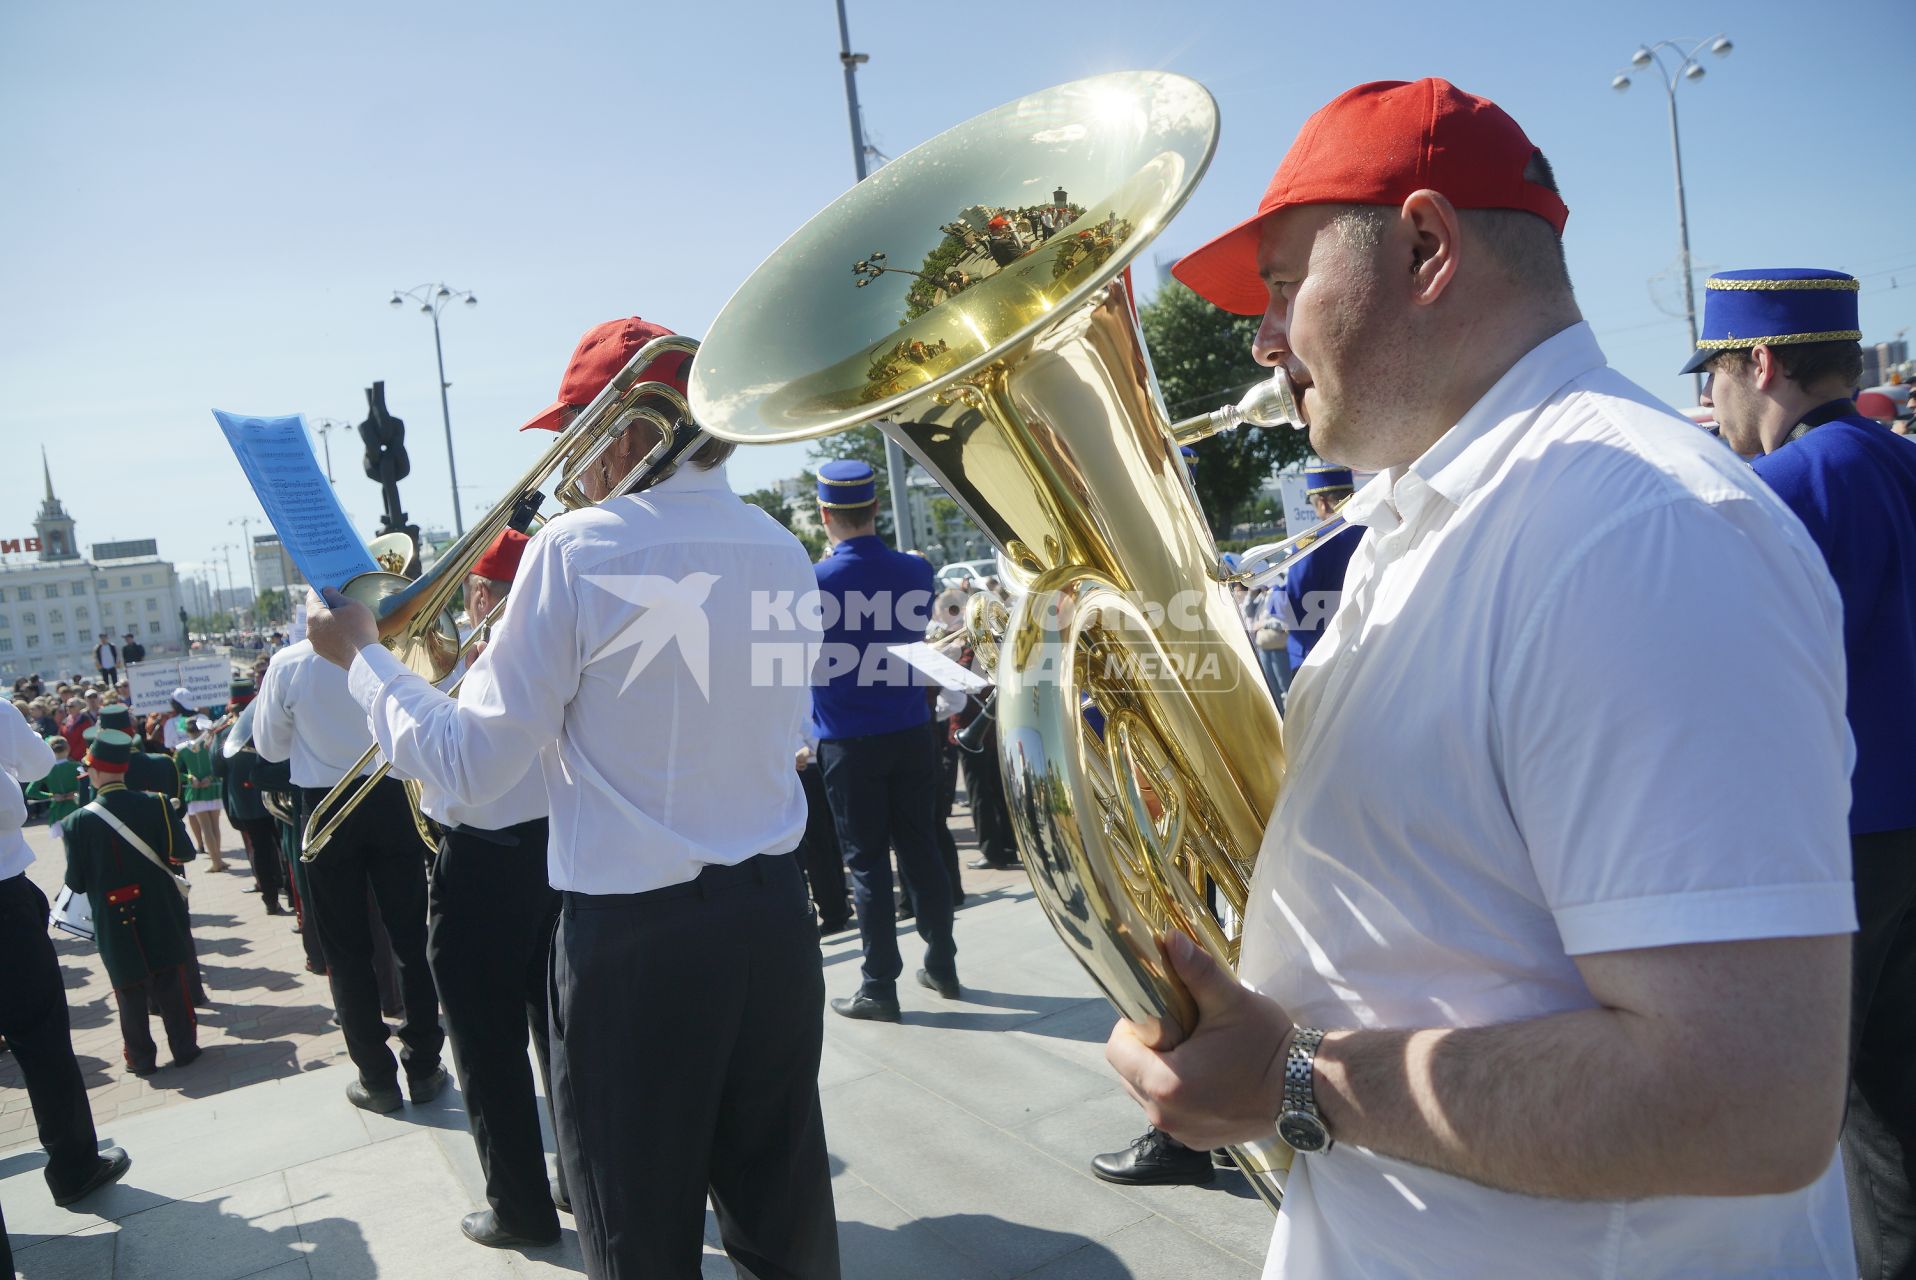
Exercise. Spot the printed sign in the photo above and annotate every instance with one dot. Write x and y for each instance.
(150, 685)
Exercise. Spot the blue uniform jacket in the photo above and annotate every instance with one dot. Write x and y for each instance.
(877, 597)
(1312, 587)
(1853, 485)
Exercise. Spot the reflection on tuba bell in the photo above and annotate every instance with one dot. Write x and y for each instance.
(974, 298)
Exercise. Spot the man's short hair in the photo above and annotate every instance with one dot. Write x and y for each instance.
(1527, 249)
(710, 454)
(852, 517)
(1804, 363)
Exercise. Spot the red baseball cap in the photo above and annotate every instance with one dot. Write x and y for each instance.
(1376, 144)
(599, 356)
(501, 560)
(1874, 404)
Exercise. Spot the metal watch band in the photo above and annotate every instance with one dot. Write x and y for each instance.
(1299, 1071)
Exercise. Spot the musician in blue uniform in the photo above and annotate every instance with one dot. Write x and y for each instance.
(1781, 346)
(880, 768)
(1314, 583)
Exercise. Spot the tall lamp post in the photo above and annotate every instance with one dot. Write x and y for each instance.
(1687, 68)
(432, 299)
(325, 427)
(226, 553)
(245, 524)
(894, 456)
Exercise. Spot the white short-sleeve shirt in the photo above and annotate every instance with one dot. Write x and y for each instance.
(1583, 693)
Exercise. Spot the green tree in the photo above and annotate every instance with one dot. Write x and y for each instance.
(272, 606)
(1203, 360)
(773, 503)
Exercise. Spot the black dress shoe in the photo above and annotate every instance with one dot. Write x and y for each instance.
(483, 1228)
(946, 987)
(188, 1058)
(986, 864)
(426, 1088)
(384, 1101)
(905, 912)
(1154, 1160)
(560, 1199)
(826, 928)
(113, 1162)
(144, 1070)
(866, 1008)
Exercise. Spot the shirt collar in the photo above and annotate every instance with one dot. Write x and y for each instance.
(1463, 456)
(688, 478)
(863, 545)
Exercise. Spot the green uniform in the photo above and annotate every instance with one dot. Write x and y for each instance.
(155, 773)
(138, 913)
(66, 777)
(197, 774)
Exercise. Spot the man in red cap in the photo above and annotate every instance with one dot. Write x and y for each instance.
(686, 987)
(1544, 959)
(489, 920)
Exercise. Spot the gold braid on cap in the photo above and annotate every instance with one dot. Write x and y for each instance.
(1766, 286)
(1780, 340)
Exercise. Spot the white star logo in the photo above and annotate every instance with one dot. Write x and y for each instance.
(668, 610)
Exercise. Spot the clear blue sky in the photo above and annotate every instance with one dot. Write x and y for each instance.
(208, 204)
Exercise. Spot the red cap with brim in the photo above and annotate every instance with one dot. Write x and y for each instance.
(600, 355)
(501, 560)
(1376, 144)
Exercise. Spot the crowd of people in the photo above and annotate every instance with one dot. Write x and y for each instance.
(1584, 924)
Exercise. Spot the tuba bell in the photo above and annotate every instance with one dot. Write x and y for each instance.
(973, 298)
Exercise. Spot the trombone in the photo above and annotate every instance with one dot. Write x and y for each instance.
(415, 618)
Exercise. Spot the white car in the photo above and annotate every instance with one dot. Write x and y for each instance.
(977, 570)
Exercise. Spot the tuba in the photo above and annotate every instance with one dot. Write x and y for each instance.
(973, 297)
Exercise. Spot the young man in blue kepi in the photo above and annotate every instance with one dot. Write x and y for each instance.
(1781, 346)
(881, 771)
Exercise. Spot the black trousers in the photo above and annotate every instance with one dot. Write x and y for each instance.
(985, 789)
(1879, 1131)
(686, 1032)
(168, 991)
(882, 790)
(33, 1018)
(819, 855)
(377, 849)
(489, 921)
(946, 754)
(262, 846)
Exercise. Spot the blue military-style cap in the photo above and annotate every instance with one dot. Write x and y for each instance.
(1774, 307)
(1327, 479)
(846, 482)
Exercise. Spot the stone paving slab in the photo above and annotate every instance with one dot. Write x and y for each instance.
(959, 1143)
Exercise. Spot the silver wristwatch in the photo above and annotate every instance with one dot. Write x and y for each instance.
(1298, 1123)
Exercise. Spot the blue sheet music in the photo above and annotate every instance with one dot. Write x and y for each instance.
(298, 500)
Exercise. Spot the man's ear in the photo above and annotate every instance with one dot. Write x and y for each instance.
(1428, 222)
(1767, 367)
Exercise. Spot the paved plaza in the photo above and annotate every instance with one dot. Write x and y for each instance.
(959, 1139)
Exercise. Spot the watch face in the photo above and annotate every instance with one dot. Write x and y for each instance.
(1302, 1131)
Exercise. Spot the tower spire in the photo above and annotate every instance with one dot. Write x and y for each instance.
(47, 471)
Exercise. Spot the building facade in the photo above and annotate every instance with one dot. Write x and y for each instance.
(55, 604)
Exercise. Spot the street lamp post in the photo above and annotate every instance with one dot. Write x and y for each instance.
(894, 456)
(1687, 68)
(432, 299)
(226, 553)
(245, 524)
(325, 427)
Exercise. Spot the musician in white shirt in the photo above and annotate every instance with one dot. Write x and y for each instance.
(686, 981)
(305, 715)
(489, 919)
(1547, 952)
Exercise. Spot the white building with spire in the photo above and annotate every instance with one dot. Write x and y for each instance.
(56, 603)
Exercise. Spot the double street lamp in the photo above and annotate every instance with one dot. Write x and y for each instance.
(432, 299)
(1687, 68)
